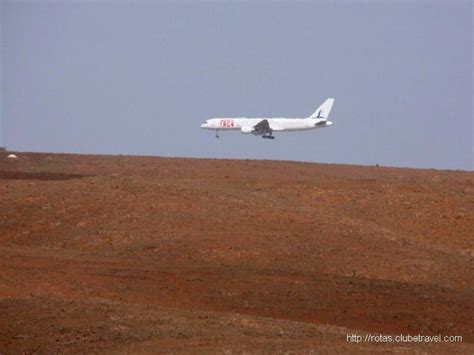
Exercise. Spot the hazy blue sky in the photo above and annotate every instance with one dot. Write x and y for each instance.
(140, 77)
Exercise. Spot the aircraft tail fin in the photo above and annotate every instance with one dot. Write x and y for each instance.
(323, 111)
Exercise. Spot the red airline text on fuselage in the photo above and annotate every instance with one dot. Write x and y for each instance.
(226, 123)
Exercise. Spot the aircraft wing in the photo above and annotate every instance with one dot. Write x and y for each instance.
(265, 127)
(262, 127)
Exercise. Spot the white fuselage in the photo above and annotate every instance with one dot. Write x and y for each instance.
(277, 124)
(266, 126)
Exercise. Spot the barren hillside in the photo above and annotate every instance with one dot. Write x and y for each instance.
(146, 254)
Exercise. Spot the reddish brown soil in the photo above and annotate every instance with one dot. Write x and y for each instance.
(146, 254)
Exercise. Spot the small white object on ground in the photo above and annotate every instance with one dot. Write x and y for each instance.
(11, 156)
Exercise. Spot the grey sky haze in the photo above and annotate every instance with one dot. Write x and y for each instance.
(139, 78)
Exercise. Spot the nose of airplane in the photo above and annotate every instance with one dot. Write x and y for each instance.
(204, 125)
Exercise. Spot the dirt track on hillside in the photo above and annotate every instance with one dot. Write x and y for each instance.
(145, 254)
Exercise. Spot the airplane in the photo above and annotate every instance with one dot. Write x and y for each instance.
(266, 126)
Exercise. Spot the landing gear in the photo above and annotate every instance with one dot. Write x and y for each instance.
(217, 133)
(268, 136)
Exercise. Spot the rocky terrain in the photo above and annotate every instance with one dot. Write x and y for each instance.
(146, 254)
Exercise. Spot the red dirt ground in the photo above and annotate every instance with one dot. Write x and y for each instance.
(147, 254)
